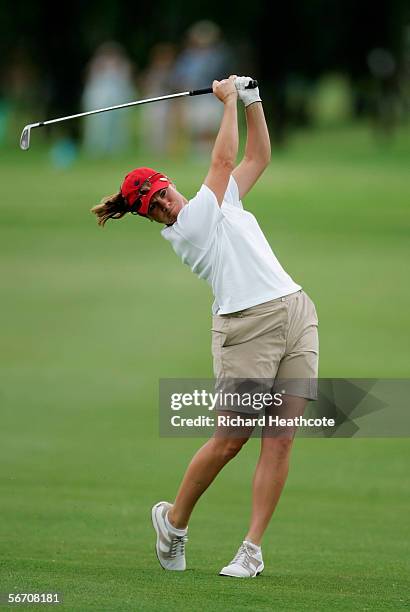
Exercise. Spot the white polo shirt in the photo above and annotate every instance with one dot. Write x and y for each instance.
(225, 246)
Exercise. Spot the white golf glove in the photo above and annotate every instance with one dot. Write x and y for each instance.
(248, 96)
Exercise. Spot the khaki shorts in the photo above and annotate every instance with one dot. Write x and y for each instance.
(275, 341)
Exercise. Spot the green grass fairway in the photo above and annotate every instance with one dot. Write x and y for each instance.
(91, 319)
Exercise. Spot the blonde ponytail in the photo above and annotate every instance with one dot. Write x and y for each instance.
(111, 207)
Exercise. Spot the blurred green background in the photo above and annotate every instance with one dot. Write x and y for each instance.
(92, 318)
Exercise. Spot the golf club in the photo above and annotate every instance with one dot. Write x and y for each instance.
(25, 135)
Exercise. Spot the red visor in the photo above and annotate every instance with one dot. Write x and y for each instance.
(132, 184)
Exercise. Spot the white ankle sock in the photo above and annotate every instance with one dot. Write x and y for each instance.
(258, 548)
(175, 530)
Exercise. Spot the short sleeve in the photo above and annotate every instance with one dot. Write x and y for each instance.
(232, 194)
(197, 221)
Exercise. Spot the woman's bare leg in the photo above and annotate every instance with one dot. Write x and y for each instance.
(204, 467)
(272, 470)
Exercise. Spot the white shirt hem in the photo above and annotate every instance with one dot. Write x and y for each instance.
(256, 301)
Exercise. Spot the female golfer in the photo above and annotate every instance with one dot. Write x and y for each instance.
(264, 325)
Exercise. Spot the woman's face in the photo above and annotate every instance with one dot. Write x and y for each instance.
(165, 205)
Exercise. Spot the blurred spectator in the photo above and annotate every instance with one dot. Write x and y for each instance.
(386, 100)
(23, 95)
(331, 101)
(158, 126)
(205, 58)
(63, 152)
(109, 82)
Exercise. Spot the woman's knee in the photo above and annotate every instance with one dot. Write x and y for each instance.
(278, 449)
(227, 448)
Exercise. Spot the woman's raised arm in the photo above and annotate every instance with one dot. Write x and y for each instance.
(257, 150)
(226, 144)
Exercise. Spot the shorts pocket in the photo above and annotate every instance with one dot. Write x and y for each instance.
(315, 319)
(219, 329)
(219, 337)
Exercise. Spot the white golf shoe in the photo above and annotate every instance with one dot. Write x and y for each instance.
(170, 546)
(247, 563)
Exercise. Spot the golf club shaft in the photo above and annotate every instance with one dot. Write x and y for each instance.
(25, 136)
(110, 108)
(195, 92)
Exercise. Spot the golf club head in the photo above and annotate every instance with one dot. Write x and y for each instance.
(25, 136)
